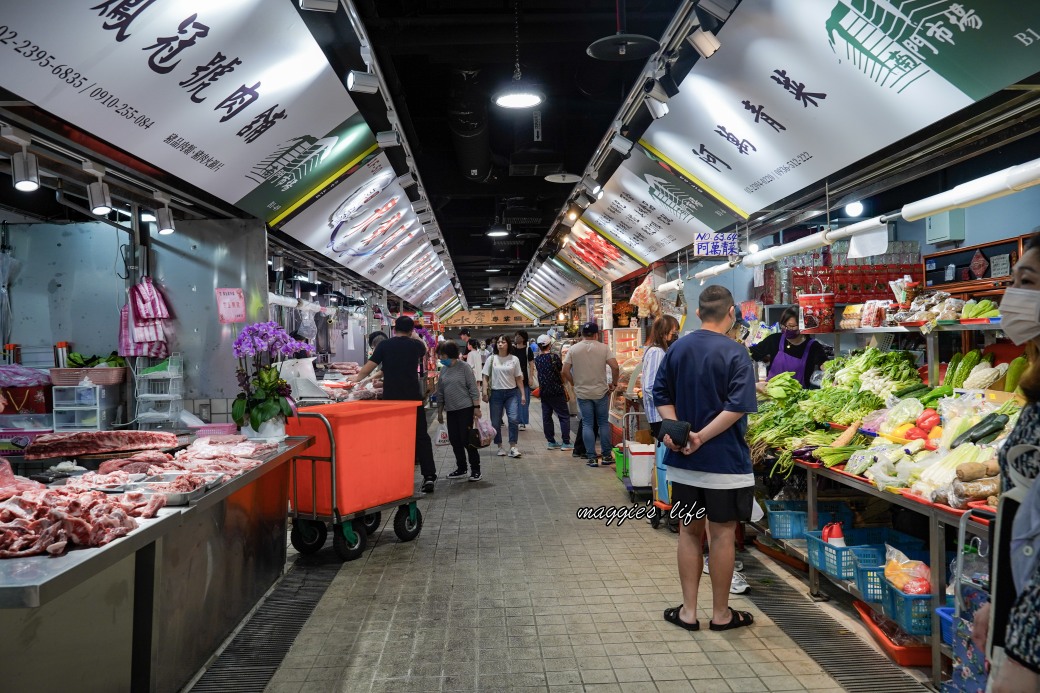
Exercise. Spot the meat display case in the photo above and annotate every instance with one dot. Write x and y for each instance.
(627, 397)
(146, 612)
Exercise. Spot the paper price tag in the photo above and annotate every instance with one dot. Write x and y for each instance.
(760, 275)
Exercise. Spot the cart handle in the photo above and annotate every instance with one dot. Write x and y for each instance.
(625, 422)
(314, 474)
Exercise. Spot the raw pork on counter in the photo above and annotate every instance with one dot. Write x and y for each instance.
(137, 464)
(42, 520)
(231, 455)
(97, 442)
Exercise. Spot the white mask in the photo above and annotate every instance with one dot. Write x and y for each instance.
(1020, 315)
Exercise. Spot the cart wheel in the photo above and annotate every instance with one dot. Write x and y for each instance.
(405, 527)
(349, 539)
(655, 521)
(308, 536)
(372, 522)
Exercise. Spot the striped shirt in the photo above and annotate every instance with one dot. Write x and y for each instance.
(652, 358)
(457, 388)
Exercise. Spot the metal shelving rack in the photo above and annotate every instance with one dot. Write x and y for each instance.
(159, 395)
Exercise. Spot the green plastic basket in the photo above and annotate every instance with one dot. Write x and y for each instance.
(620, 463)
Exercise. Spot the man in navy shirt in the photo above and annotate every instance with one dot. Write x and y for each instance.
(708, 380)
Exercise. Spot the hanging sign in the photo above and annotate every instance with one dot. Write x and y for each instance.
(231, 306)
(235, 98)
(716, 244)
(802, 89)
(652, 211)
(594, 256)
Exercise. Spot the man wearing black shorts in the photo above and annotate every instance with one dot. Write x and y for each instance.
(708, 380)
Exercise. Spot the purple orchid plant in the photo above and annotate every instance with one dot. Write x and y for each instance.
(265, 394)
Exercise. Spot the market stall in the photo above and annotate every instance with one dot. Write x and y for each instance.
(921, 438)
(158, 601)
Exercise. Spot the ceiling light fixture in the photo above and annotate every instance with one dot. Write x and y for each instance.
(148, 217)
(362, 82)
(420, 206)
(405, 179)
(583, 200)
(25, 168)
(312, 276)
(492, 269)
(591, 184)
(621, 144)
(425, 217)
(704, 42)
(622, 45)
(753, 248)
(388, 138)
(497, 231)
(658, 109)
(163, 215)
(854, 209)
(517, 94)
(319, 5)
(98, 195)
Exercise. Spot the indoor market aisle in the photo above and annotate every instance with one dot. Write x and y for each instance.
(506, 589)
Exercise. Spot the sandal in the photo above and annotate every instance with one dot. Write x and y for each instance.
(739, 619)
(672, 616)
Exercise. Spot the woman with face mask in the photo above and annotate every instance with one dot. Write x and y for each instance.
(790, 351)
(1008, 629)
(663, 334)
(458, 394)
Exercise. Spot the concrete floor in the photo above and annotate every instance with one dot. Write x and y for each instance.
(506, 589)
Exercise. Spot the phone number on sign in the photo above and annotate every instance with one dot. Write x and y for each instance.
(792, 164)
(35, 54)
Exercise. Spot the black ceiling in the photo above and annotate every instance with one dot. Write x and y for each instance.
(443, 59)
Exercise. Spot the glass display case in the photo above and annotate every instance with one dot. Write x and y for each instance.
(626, 343)
(628, 396)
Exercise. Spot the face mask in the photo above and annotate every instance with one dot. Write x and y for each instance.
(445, 362)
(1020, 315)
(791, 334)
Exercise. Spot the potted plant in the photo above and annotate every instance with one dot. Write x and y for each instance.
(266, 398)
(623, 310)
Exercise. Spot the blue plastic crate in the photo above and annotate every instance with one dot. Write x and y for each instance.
(789, 519)
(946, 623)
(839, 561)
(870, 572)
(912, 612)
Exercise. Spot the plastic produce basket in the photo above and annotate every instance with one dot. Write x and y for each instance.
(839, 561)
(870, 572)
(98, 376)
(946, 623)
(620, 463)
(375, 455)
(912, 612)
(789, 519)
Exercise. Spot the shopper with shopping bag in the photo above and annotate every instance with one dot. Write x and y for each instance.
(457, 394)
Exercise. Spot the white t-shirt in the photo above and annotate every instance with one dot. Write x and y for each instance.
(475, 362)
(503, 371)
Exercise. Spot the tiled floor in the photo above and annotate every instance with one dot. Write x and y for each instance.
(506, 589)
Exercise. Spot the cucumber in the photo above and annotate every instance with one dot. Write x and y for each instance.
(906, 391)
(990, 425)
(951, 369)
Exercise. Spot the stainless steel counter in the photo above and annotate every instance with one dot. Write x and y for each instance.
(146, 611)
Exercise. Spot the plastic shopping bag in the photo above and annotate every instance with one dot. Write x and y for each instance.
(487, 432)
(442, 436)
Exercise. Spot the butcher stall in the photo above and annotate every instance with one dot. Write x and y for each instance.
(130, 578)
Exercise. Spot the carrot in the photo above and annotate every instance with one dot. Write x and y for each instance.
(845, 438)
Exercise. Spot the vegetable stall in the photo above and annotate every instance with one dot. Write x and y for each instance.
(883, 428)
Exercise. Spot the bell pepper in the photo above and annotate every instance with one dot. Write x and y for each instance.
(935, 433)
(901, 431)
(932, 444)
(915, 433)
(928, 420)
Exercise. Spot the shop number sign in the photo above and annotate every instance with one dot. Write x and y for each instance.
(231, 306)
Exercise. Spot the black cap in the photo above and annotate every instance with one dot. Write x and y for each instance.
(404, 324)
(590, 328)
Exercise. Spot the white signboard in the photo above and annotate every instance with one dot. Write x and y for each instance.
(648, 209)
(595, 257)
(801, 89)
(366, 223)
(206, 91)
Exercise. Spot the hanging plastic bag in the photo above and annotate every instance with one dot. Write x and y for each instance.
(442, 436)
(487, 432)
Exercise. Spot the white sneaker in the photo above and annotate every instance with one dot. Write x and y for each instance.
(522, 427)
(513, 452)
(739, 584)
(737, 566)
(501, 452)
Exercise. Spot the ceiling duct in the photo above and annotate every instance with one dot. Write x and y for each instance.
(535, 152)
(500, 283)
(468, 121)
(519, 212)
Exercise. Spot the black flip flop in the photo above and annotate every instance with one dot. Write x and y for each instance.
(740, 619)
(672, 616)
